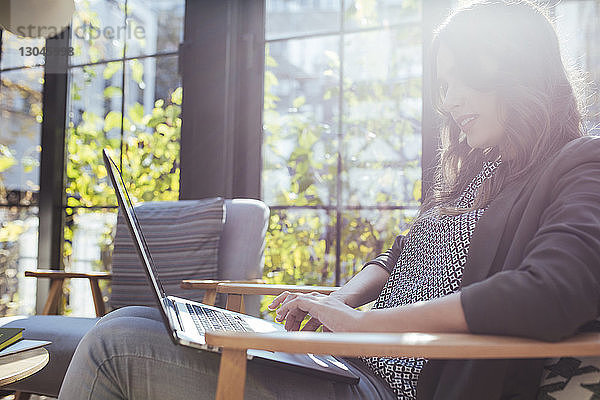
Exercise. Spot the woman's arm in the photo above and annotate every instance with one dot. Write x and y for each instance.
(444, 314)
(363, 287)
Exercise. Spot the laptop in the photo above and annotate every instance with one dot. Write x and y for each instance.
(186, 321)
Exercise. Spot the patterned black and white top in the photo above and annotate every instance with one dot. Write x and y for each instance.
(430, 265)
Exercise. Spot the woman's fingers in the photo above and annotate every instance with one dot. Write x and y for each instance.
(291, 305)
(286, 296)
(294, 319)
(327, 311)
(291, 313)
(277, 301)
(312, 324)
(286, 306)
(293, 308)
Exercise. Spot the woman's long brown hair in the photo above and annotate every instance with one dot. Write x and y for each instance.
(510, 48)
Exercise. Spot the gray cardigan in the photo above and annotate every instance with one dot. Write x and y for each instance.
(533, 270)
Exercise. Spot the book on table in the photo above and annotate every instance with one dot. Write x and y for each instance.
(9, 336)
(23, 345)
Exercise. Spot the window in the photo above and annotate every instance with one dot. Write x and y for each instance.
(578, 28)
(124, 94)
(342, 133)
(21, 81)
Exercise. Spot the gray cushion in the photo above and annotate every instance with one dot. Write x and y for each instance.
(242, 245)
(64, 333)
(183, 237)
(241, 250)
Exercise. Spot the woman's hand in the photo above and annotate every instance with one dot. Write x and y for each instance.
(324, 310)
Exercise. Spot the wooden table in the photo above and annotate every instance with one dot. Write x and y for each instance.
(21, 365)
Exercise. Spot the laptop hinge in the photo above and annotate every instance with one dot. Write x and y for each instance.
(173, 306)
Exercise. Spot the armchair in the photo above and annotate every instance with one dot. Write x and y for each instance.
(234, 345)
(240, 257)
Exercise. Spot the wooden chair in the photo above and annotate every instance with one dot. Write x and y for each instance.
(57, 278)
(240, 258)
(232, 372)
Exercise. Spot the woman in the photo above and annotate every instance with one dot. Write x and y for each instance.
(507, 243)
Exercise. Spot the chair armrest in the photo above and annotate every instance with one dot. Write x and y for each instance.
(232, 370)
(205, 284)
(271, 290)
(210, 287)
(429, 345)
(57, 278)
(53, 274)
(236, 291)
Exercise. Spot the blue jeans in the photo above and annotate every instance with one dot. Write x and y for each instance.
(129, 355)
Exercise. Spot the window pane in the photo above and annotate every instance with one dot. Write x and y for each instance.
(20, 135)
(301, 121)
(382, 117)
(378, 161)
(94, 123)
(300, 247)
(579, 28)
(286, 18)
(383, 185)
(366, 233)
(368, 13)
(18, 253)
(88, 247)
(155, 26)
(12, 54)
(98, 31)
(153, 97)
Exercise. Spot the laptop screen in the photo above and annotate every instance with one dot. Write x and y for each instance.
(135, 230)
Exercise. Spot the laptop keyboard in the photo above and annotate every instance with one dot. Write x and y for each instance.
(207, 319)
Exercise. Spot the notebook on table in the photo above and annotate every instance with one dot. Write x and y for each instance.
(186, 321)
(23, 345)
(9, 336)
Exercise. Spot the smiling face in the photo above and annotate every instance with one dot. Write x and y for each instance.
(475, 112)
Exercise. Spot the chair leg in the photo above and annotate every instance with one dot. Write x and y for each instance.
(22, 396)
(97, 296)
(51, 306)
(232, 375)
(210, 296)
(235, 302)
